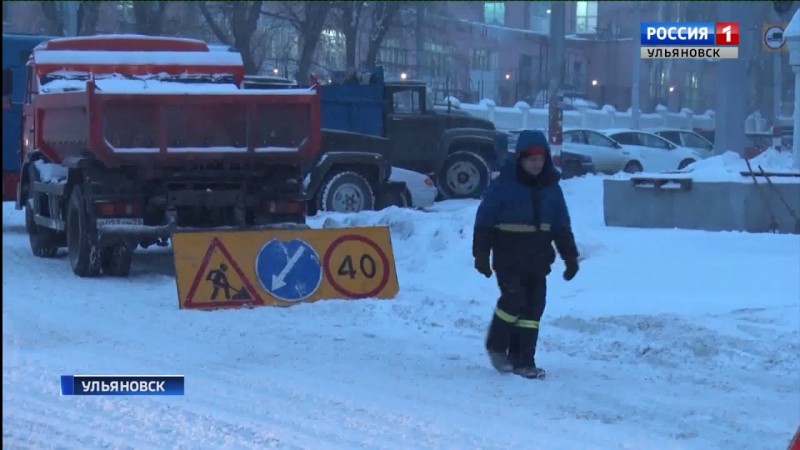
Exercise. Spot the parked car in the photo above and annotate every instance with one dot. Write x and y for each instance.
(608, 155)
(656, 154)
(573, 164)
(420, 190)
(686, 138)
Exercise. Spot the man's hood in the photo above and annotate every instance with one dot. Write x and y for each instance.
(529, 139)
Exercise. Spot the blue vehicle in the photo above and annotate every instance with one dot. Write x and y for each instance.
(16, 51)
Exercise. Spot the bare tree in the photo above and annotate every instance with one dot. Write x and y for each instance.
(149, 17)
(308, 19)
(54, 17)
(383, 15)
(242, 18)
(350, 23)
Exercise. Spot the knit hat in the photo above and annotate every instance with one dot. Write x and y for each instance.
(532, 151)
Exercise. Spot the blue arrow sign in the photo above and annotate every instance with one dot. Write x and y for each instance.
(289, 270)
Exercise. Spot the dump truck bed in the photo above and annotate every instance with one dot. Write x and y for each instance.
(162, 108)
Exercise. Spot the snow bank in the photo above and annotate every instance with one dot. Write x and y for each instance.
(729, 165)
(637, 347)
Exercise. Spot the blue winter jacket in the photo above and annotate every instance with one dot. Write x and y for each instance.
(521, 216)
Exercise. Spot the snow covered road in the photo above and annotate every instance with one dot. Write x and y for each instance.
(666, 339)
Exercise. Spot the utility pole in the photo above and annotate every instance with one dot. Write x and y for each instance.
(731, 102)
(556, 75)
(636, 68)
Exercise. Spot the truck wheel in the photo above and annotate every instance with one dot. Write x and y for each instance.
(464, 175)
(84, 256)
(346, 192)
(116, 260)
(44, 241)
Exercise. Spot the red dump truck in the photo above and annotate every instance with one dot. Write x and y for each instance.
(127, 139)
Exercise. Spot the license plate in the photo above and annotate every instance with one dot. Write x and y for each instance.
(119, 221)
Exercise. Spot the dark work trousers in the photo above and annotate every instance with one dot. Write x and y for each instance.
(515, 322)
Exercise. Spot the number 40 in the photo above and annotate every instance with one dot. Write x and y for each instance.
(366, 263)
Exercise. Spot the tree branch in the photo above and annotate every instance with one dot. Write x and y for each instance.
(215, 28)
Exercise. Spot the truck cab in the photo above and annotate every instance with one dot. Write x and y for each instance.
(458, 151)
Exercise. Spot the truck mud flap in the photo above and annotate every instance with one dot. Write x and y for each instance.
(282, 267)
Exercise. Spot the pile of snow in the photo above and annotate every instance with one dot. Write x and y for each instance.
(729, 166)
(51, 173)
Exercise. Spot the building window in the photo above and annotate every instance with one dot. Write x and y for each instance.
(393, 56)
(494, 13)
(127, 19)
(437, 59)
(481, 60)
(332, 49)
(586, 17)
(658, 83)
(539, 17)
(691, 91)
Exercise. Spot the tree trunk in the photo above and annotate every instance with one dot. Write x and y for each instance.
(310, 28)
(54, 21)
(245, 23)
(350, 21)
(383, 16)
(88, 14)
(150, 17)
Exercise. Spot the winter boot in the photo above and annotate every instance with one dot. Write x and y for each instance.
(497, 340)
(524, 360)
(530, 372)
(500, 361)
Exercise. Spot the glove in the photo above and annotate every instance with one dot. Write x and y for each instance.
(571, 270)
(483, 267)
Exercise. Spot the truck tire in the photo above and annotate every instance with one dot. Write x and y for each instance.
(464, 174)
(44, 241)
(84, 256)
(116, 260)
(346, 192)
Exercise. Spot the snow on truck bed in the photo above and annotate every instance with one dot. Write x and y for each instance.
(666, 339)
(121, 85)
(92, 57)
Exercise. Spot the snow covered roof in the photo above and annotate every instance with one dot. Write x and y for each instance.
(135, 58)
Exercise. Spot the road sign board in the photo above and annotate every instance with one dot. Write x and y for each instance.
(289, 270)
(356, 266)
(772, 39)
(219, 281)
(284, 265)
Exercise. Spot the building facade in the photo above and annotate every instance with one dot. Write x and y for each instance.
(493, 50)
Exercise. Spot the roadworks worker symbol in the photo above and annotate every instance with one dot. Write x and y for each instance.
(220, 281)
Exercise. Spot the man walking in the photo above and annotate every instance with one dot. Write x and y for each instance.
(522, 214)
